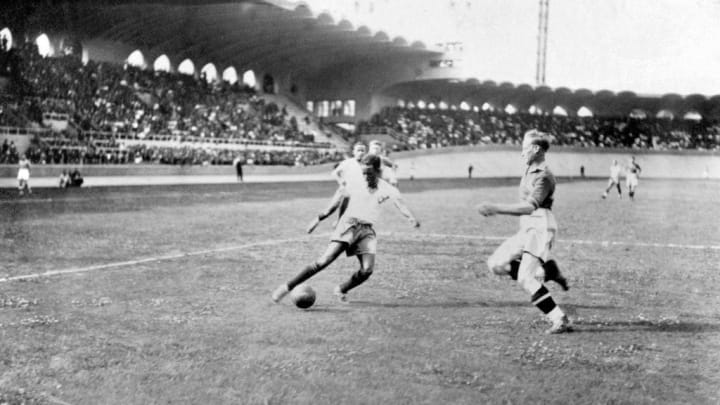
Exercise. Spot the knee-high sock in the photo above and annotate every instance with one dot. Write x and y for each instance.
(355, 280)
(309, 271)
(543, 300)
(514, 268)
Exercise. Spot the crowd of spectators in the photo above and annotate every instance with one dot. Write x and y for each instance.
(89, 150)
(9, 153)
(424, 128)
(126, 102)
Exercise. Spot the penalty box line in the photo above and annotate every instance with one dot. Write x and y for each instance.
(105, 266)
(604, 243)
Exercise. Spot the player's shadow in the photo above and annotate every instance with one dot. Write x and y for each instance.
(642, 325)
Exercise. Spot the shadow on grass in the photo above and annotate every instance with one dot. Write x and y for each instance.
(584, 326)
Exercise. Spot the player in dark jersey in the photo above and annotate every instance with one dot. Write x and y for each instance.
(525, 254)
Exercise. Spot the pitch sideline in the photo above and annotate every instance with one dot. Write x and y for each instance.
(75, 270)
(604, 243)
(270, 242)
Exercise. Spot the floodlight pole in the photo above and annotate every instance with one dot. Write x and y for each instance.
(542, 42)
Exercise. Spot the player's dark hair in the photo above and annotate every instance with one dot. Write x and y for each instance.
(374, 163)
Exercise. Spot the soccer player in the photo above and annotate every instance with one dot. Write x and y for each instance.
(355, 234)
(348, 171)
(23, 175)
(524, 254)
(388, 166)
(631, 177)
(614, 180)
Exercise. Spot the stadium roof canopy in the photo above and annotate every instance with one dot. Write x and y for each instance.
(264, 36)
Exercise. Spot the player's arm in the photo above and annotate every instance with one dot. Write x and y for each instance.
(332, 207)
(400, 204)
(541, 189)
(487, 209)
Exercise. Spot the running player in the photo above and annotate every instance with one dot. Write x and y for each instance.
(23, 175)
(524, 254)
(614, 180)
(631, 177)
(388, 166)
(348, 170)
(354, 234)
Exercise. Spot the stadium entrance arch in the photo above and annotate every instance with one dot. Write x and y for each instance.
(6, 39)
(162, 64)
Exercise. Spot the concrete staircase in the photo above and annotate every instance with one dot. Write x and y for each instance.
(293, 109)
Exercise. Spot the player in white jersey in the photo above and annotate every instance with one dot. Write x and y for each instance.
(355, 233)
(348, 171)
(388, 166)
(631, 177)
(615, 170)
(23, 175)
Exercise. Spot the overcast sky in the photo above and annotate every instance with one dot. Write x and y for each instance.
(646, 46)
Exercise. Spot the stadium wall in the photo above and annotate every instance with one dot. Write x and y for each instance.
(505, 161)
(487, 161)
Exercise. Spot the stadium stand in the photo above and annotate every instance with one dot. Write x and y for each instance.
(105, 113)
(423, 128)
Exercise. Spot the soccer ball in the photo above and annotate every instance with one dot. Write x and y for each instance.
(303, 296)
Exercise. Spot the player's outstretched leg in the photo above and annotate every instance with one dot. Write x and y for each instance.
(541, 297)
(367, 266)
(334, 250)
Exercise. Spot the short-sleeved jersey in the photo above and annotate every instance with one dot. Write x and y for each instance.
(350, 171)
(388, 170)
(615, 172)
(365, 205)
(24, 164)
(538, 186)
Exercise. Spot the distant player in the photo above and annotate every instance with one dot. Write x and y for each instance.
(348, 171)
(354, 234)
(23, 175)
(388, 166)
(614, 181)
(523, 255)
(238, 164)
(631, 177)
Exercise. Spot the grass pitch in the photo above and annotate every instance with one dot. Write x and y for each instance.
(161, 295)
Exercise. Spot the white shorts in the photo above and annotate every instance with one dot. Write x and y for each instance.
(359, 238)
(536, 237)
(23, 174)
(632, 181)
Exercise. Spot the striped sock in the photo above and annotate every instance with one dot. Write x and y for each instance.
(543, 300)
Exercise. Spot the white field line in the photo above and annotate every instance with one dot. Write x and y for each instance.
(75, 270)
(604, 243)
(417, 235)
